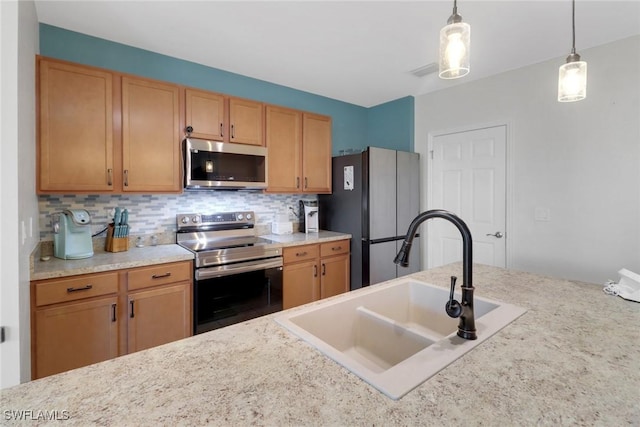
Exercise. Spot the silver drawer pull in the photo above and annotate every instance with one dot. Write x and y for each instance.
(160, 276)
(84, 288)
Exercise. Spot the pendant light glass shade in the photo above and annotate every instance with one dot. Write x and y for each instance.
(454, 50)
(572, 76)
(572, 81)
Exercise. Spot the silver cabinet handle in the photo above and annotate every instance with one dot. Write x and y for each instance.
(109, 176)
(497, 234)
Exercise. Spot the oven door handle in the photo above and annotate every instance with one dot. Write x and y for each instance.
(243, 267)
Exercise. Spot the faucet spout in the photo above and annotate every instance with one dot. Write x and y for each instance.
(466, 327)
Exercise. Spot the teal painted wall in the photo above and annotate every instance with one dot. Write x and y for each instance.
(388, 125)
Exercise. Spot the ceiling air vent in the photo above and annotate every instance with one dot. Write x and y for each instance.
(425, 70)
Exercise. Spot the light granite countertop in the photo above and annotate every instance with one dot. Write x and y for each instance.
(149, 255)
(571, 359)
(296, 239)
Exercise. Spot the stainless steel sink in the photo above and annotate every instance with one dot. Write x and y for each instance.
(394, 335)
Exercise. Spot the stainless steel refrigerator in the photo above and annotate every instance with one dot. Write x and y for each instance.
(375, 196)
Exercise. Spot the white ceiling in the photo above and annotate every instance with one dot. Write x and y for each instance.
(354, 51)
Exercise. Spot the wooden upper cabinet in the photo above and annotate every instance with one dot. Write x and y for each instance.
(150, 136)
(316, 153)
(299, 147)
(75, 128)
(246, 121)
(205, 113)
(284, 142)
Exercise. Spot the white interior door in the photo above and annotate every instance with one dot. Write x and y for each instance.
(468, 178)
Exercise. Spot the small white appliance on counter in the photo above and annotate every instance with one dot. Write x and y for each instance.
(72, 234)
(310, 216)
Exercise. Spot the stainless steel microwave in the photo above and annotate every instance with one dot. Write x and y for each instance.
(223, 165)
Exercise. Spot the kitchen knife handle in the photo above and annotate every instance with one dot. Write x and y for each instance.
(126, 177)
(109, 176)
(84, 288)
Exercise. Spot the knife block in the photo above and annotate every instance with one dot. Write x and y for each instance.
(116, 244)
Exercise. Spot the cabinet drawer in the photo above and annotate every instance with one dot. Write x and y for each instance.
(88, 286)
(300, 253)
(160, 274)
(334, 248)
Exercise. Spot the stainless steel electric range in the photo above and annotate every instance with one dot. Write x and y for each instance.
(237, 275)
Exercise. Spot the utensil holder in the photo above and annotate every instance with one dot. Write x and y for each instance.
(116, 244)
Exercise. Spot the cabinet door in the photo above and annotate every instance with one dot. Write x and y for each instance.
(300, 284)
(246, 122)
(150, 136)
(316, 153)
(205, 114)
(75, 133)
(159, 316)
(284, 142)
(74, 335)
(335, 274)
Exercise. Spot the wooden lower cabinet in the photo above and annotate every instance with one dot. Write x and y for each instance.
(313, 272)
(85, 319)
(73, 335)
(158, 316)
(300, 283)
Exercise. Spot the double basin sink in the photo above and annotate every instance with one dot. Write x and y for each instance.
(394, 335)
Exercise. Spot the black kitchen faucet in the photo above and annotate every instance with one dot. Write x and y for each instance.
(464, 310)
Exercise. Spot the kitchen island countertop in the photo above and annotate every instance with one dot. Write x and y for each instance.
(571, 359)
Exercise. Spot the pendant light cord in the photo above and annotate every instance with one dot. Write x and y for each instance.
(573, 26)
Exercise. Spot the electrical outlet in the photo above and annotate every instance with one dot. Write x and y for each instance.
(542, 214)
(110, 212)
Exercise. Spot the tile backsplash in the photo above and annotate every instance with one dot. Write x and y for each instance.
(156, 214)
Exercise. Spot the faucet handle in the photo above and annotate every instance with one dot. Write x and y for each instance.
(453, 307)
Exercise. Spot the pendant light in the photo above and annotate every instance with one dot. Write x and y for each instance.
(572, 78)
(454, 47)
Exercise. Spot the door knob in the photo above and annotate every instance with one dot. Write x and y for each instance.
(497, 234)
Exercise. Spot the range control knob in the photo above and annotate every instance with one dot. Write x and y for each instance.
(240, 217)
(194, 219)
(248, 216)
(184, 220)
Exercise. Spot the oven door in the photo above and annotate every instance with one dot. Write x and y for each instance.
(220, 165)
(233, 293)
